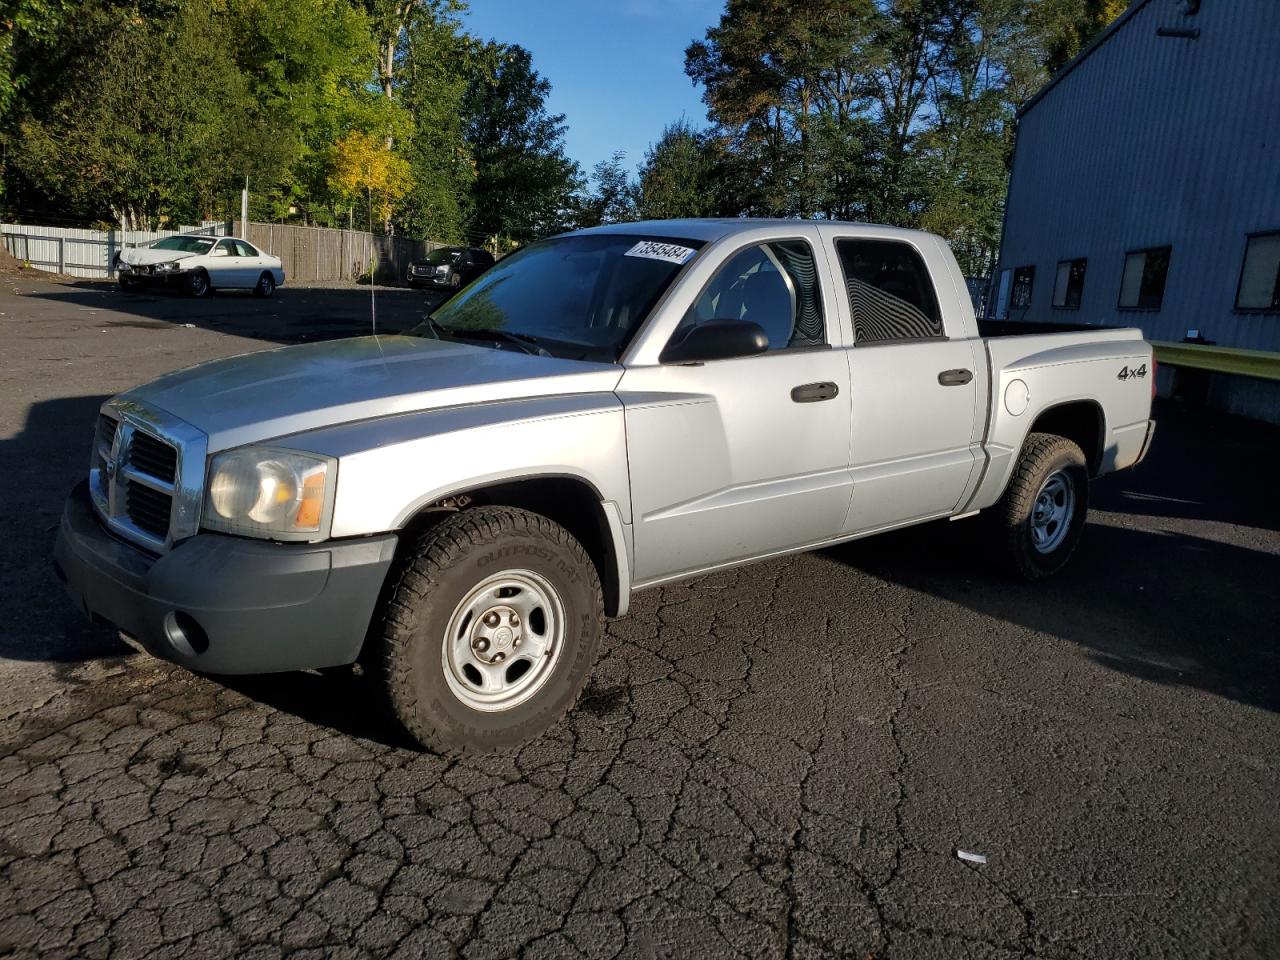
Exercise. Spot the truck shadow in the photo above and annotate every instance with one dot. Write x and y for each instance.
(1164, 606)
(40, 464)
(1202, 466)
(293, 315)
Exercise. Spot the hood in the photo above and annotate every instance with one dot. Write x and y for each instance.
(145, 255)
(260, 396)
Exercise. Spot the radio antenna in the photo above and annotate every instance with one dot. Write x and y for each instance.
(373, 270)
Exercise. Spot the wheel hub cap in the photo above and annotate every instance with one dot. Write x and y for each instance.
(503, 640)
(1052, 512)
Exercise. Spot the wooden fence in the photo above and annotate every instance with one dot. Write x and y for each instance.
(319, 254)
(309, 254)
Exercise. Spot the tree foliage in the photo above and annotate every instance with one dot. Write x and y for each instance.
(683, 175)
(892, 111)
(144, 112)
(366, 168)
(524, 183)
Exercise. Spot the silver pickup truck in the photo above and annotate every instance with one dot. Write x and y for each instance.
(458, 509)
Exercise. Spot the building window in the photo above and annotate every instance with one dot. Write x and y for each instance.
(1024, 279)
(1069, 285)
(1260, 276)
(1142, 287)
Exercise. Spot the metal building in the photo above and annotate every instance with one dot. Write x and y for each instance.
(1145, 188)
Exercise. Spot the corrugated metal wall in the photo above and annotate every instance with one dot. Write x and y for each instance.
(1150, 141)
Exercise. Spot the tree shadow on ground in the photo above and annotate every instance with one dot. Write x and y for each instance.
(293, 315)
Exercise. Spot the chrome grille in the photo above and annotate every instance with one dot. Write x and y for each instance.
(153, 457)
(147, 468)
(106, 433)
(147, 474)
(148, 509)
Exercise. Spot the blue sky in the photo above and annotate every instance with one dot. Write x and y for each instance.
(616, 66)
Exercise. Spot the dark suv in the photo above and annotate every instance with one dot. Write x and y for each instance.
(449, 267)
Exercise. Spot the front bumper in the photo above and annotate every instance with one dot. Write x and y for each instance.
(428, 280)
(170, 278)
(221, 604)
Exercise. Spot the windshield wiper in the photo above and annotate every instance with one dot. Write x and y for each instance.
(524, 341)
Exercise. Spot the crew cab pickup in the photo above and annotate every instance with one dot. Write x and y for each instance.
(459, 509)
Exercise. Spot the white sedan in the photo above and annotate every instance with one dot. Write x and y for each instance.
(199, 265)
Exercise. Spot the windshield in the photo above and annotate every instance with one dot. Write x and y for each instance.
(442, 255)
(575, 297)
(184, 244)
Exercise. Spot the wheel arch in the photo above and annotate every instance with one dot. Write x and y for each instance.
(567, 499)
(1081, 421)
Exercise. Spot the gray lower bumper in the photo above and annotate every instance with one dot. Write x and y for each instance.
(222, 604)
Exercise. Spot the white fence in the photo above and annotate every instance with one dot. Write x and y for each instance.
(84, 253)
(308, 254)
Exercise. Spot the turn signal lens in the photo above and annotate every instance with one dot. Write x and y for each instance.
(312, 505)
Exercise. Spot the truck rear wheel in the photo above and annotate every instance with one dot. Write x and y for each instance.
(1039, 520)
(490, 630)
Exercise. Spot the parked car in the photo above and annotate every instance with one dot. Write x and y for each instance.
(450, 267)
(600, 413)
(199, 265)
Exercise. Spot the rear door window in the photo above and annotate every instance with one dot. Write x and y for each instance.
(891, 295)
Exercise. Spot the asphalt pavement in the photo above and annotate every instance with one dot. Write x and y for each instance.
(783, 760)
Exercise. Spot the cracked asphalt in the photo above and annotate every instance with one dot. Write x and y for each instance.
(778, 761)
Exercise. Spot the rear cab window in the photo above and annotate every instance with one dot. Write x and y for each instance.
(891, 294)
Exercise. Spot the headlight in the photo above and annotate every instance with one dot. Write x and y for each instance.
(267, 492)
(443, 268)
(167, 266)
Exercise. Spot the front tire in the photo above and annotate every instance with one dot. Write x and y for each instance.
(490, 630)
(199, 285)
(1040, 519)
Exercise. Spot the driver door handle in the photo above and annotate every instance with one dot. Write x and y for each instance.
(813, 392)
(955, 378)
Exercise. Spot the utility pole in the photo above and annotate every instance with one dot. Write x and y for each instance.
(244, 209)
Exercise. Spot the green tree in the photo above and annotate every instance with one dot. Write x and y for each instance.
(770, 69)
(683, 175)
(1066, 26)
(611, 195)
(305, 64)
(524, 183)
(434, 74)
(122, 133)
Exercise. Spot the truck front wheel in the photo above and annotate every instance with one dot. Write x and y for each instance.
(1039, 520)
(490, 629)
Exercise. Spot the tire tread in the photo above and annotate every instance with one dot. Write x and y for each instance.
(417, 575)
(1014, 507)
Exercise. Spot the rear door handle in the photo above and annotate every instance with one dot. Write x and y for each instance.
(813, 392)
(955, 378)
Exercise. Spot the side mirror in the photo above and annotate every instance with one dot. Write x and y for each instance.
(717, 340)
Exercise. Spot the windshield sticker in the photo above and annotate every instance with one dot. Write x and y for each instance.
(670, 252)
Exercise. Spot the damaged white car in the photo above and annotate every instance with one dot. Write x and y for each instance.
(199, 265)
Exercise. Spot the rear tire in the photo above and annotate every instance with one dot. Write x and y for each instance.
(1040, 519)
(490, 629)
(266, 285)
